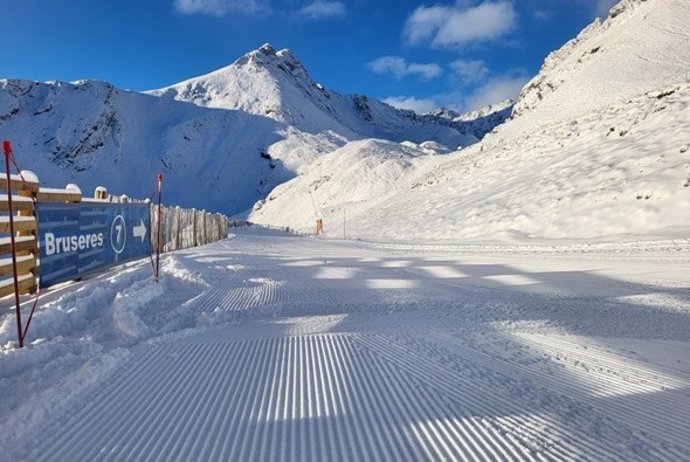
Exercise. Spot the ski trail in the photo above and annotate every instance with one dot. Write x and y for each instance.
(314, 397)
(259, 290)
(603, 376)
(541, 428)
(341, 396)
(314, 366)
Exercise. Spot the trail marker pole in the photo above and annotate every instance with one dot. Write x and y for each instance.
(158, 233)
(7, 149)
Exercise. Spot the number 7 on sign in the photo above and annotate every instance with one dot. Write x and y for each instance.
(118, 238)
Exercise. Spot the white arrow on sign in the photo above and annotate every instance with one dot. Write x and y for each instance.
(140, 231)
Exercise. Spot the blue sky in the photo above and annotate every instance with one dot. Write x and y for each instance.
(420, 55)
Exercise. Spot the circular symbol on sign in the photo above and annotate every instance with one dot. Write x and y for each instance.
(118, 234)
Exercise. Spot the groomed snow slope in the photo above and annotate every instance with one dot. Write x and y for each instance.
(271, 347)
(621, 170)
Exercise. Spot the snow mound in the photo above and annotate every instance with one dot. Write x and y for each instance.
(349, 176)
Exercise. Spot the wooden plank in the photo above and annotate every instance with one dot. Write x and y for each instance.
(16, 183)
(27, 284)
(20, 224)
(57, 195)
(22, 244)
(25, 263)
(18, 203)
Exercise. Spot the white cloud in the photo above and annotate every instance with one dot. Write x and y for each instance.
(542, 15)
(323, 9)
(425, 71)
(398, 67)
(420, 106)
(220, 7)
(457, 25)
(470, 71)
(603, 7)
(424, 22)
(494, 91)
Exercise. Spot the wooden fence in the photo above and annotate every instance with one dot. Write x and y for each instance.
(24, 190)
(185, 228)
(180, 228)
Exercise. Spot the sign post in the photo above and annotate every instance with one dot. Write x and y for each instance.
(158, 235)
(7, 149)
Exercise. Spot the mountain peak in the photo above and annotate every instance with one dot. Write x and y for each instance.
(275, 84)
(267, 48)
(266, 57)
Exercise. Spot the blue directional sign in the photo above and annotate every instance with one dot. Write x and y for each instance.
(82, 238)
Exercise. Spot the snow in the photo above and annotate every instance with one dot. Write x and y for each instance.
(595, 149)
(619, 171)
(522, 298)
(270, 346)
(275, 84)
(93, 135)
(641, 46)
(207, 134)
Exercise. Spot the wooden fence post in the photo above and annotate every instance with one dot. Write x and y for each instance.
(177, 235)
(194, 227)
(26, 244)
(204, 228)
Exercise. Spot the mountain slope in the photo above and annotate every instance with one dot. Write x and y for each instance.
(613, 172)
(249, 127)
(479, 122)
(602, 155)
(93, 134)
(275, 84)
(641, 46)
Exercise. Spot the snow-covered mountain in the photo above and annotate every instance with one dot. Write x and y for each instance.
(275, 84)
(641, 46)
(597, 147)
(91, 133)
(223, 141)
(478, 122)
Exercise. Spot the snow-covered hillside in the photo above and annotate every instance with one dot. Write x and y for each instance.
(222, 141)
(275, 84)
(93, 134)
(601, 154)
(641, 46)
(622, 169)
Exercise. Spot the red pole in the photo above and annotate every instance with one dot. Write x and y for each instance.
(158, 239)
(7, 148)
